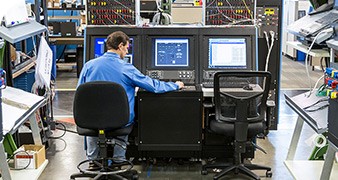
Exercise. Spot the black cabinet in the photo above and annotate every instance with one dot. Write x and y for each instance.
(170, 121)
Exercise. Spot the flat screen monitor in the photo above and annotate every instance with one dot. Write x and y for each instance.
(170, 52)
(100, 49)
(227, 53)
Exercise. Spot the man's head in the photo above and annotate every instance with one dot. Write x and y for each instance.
(118, 42)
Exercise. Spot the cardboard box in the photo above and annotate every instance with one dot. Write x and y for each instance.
(36, 155)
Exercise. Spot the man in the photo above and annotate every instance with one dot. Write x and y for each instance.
(111, 67)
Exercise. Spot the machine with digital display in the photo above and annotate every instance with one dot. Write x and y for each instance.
(169, 52)
(225, 53)
(95, 43)
(171, 58)
(100, 48)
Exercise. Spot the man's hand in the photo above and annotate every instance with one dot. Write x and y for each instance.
(180, 84)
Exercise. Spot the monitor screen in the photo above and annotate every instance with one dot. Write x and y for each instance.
(227, 53)
(171, 52)
(100, 48)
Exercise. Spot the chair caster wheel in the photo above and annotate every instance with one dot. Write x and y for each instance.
(204, 172)
(268, 174)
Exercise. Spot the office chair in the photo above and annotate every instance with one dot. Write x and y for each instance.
(101, 109)
(240, 99)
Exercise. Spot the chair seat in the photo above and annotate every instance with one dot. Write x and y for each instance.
(109, 133)
(227, 128)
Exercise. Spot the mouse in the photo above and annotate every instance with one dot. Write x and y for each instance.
(247, 87)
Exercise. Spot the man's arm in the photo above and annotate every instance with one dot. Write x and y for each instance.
(149, 84)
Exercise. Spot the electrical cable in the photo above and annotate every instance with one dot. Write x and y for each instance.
(307, 108)
(232, 9)
(157, 19)
(318, 108)
(247, 8)
(320, 90)
(29, 162)
(227, 17)
(319, 150)
(64, 131)
(270, 46)
(306, 58)
(311, 91)
(65, 145)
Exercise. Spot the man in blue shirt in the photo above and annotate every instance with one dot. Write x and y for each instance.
(111, 67)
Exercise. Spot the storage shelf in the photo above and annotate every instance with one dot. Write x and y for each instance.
(65, 9)
(309, 169)
(26, 66)
(32, 174)
(64, 17)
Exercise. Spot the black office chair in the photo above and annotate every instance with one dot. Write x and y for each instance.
(240, 99)
(101, 109)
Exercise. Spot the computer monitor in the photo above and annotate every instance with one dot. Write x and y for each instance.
(171, 52)
(227, 53)
(170, 57)
(100, 48)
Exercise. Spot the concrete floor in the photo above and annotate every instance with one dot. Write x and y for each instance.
(64, 154)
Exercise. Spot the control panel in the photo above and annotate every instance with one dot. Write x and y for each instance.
(105, 12)
(267, 18)
(224, 12)
(208, 75)
(187, 76)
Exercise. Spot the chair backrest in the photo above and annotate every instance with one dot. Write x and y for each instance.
(240, 97)
(101, 105)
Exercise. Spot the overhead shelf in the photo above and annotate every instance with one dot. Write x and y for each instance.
(23, 67)
(65, 9)
(64, 17)
(21, 32)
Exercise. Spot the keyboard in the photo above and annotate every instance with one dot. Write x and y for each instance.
(210, 84)
(328, 19)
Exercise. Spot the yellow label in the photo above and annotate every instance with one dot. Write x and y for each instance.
(269, 11)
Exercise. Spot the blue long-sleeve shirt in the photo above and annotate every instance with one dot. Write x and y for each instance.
(110, 67)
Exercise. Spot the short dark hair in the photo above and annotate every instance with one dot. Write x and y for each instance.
(115, 38)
